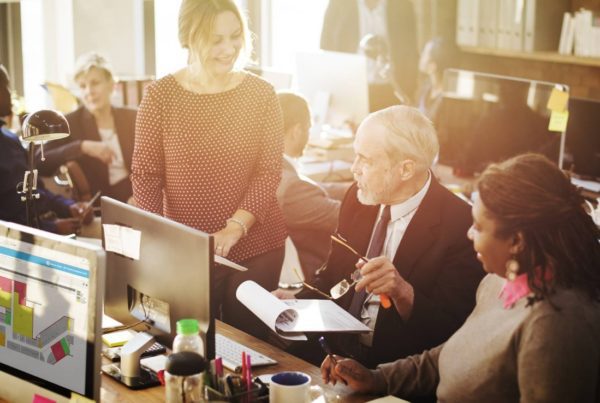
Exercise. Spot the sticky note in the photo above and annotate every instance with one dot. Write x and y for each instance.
(558, 121)
(41, 399)
(77, 398)
(122, 240)
(558, 100)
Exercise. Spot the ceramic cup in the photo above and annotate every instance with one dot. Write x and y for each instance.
(289, 387)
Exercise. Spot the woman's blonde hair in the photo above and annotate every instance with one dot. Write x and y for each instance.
(92, 60)
(196, 23)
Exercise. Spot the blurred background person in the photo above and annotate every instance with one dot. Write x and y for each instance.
(386, 25)
(208, 146)
(438, 54)
(534, 334)
(102, 135)
(310, 214)
(55, 213)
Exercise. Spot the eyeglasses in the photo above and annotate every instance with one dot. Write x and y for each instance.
(341, 288)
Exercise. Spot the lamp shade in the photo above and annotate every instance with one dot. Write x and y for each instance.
(45, 125)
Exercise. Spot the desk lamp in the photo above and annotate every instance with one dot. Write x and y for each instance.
(43, 125)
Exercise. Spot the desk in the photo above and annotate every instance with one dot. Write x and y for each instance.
(113, 391)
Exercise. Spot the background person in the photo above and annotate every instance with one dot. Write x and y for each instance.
(55, 213)
(310, 214)
(102, 135)
(347, 22)
(208, 146)
(535, 332)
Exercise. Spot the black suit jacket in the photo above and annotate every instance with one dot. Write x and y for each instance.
(83, 127)
(434, 256)
(341, 33)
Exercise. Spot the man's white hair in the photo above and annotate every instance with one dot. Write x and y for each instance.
(410, 135)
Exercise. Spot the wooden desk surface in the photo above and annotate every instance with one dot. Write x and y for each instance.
(113, 391)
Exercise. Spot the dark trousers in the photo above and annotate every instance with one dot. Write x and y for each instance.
(263, 269)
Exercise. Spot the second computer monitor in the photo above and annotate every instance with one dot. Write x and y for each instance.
(158, 271)
(335, 85)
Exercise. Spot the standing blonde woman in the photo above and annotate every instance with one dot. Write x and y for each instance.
(208, 146)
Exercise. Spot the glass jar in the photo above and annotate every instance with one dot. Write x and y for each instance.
(184, 374)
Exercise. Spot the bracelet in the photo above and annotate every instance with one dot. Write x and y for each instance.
(240, 223)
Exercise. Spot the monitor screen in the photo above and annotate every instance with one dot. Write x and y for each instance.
(335, 85)
(582, 149)
(486, 118)
(50, 312)
(157, 271)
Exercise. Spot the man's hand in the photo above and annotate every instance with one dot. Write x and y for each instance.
(381, 277)
(98, 150)
(349, 372)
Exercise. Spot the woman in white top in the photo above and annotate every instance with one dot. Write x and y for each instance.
(102, 135)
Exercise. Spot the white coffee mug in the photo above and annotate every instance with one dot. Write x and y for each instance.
(289, 387)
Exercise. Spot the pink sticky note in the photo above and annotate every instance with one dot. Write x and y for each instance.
(41, 399)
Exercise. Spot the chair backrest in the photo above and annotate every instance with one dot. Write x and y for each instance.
(63, 99)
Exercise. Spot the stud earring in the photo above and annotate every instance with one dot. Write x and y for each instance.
(512, 269)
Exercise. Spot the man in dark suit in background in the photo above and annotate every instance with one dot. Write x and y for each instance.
(413, 231)
(310, 214)
(347, 22)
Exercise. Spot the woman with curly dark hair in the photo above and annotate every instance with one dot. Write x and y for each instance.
(534, 334)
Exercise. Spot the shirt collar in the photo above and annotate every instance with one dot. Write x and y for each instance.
(403, 209)
(513, 291)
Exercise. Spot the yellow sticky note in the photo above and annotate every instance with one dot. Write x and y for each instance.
(558, 100)
(558, 121)
(77, 398)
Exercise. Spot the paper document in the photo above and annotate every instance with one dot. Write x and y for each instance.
(290, 319)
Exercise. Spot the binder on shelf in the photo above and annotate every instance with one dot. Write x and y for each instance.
(467, 23)
(565, 46)
(542, 24)
(488, 23)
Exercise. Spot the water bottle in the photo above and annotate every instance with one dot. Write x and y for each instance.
(188, 338)
(184, 377)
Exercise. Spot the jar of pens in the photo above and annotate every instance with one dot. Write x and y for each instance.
(236, 388)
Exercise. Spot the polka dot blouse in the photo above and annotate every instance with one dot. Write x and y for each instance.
(200, 157)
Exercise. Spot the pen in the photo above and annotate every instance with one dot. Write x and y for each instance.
(327, 349)
(90, 205)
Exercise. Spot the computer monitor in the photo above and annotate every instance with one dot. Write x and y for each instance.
(50, 315)
(582, 149)
(486, 118)
(160, 272)
(335, 85)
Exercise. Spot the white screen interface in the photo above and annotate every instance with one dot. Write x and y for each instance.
(44, 312)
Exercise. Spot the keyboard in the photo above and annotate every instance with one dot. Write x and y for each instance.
(231, 353)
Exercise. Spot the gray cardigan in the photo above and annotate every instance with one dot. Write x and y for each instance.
(527, 354)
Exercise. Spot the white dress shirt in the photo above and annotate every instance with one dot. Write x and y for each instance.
(401, 215)
(117, 171)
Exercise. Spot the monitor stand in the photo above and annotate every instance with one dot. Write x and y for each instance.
(128, 371)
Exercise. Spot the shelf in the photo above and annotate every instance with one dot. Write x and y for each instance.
(552, 57)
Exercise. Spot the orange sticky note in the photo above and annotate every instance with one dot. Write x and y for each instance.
(558, 100)
(558, 121)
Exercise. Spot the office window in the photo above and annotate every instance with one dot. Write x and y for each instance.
(292, 26)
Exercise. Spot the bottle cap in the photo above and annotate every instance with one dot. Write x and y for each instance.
(187, 326)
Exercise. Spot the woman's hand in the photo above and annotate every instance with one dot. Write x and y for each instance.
(349, 372)
(98, 150)
(226, 238)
